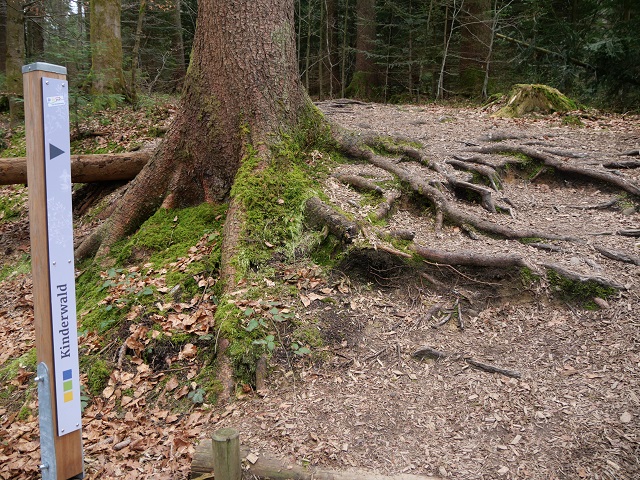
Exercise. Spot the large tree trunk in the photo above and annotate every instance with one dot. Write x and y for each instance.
(106, 47)
(242, 90)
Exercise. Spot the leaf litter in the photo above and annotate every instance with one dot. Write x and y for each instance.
(362, 400)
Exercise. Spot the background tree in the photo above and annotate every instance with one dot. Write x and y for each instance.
(15, 59)
(106, 48)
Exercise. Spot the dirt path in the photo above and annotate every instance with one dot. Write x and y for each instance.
(573, 413)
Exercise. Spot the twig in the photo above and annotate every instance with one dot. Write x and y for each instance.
(374, 355)
(460, 320)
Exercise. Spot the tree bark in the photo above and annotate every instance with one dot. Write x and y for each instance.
(84, 168)
(106, 47)
(366, 77)
(474, 46)
(242, 92)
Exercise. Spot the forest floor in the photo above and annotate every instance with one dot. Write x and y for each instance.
(363, 399)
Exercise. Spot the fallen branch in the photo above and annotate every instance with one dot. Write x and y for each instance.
(629, 233)
(622, 164)
(84, 168)
(428, 352)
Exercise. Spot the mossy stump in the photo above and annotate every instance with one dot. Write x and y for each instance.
(524, 99)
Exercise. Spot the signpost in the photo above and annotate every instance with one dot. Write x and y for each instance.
(46, 101)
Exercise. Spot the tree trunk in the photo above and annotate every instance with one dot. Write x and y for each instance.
(34, 18)
(15, 59)
(136, 50)
(180, 69)
(366, 78)
(474, 46)
(106, 47)
(242, 92)
(3, 35)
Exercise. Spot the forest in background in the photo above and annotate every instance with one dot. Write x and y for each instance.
(378, 50)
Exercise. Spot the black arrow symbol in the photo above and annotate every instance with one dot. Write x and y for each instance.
(54, 151)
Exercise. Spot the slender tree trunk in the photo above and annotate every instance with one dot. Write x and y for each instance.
(321, 51)
(345, 36)
(136, 51)
(474, 46)
(106, 47)
(307, 60)
(3, 35)
(178, 47)
(494, 27)
(34, 18)
(366, 79)
(15, 59)
(449, 28)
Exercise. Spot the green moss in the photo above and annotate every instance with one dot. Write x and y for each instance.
(27, 361)
(573, 290)
(17, 145)
(572, 121)
(543, 99)
(13, 201)
(273, 196)
(528, 277)
(22, 266)
(329, 252)
(169, 234)
(98, 372)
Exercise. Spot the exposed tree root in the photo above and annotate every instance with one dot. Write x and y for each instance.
(578, 277)
(472, 259)
(564, 167)
(618, 255)
(319, 213)
(359, 183)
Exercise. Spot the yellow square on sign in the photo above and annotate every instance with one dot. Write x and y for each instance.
(68, 396)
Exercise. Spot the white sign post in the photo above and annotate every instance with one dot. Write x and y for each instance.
(46, 98)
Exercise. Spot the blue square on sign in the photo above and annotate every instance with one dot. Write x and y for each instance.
(66, 375)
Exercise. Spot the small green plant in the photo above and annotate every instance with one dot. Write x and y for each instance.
(299, 350)
(197, 396)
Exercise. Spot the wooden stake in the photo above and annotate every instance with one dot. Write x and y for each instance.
(68, 448)
(226, 454)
